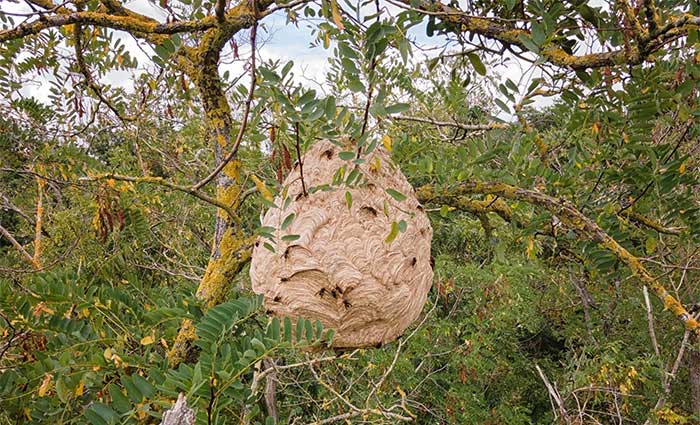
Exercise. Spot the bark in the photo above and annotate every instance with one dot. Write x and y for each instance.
(573, 219)
(694, 375)
(271, 390)
(179, 414)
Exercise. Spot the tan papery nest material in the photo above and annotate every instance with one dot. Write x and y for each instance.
(341, 270)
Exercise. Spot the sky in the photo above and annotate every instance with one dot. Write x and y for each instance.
(283, 41)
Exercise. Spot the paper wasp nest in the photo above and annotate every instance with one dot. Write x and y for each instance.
(341, 270)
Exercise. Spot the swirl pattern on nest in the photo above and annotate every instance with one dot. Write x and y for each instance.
(341, 270)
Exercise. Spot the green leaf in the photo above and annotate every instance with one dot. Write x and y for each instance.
(300, 330)
(397, 108)
(287, 221)
(275, 328)
(308, 328)
(119, 400)
(393, 233)
(145, 387)
(348, 199)
(131, 390)
(105, 412)
(346, 155)
(502, 105)
(396, 194)
(355, 85)
(476, 63)
(444, 211)
(402, 225)
(269, 75)
(288, 329)
(330, 333)
(290, 238)
(528, 43)
(61, 391)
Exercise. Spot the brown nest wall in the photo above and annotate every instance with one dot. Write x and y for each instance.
(341, 270)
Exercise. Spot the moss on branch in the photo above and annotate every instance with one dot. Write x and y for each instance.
(574, 219)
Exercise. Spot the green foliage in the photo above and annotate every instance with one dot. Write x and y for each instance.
(519, 299)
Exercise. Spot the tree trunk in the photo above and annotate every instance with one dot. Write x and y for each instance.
(230, 247)
(694, 375)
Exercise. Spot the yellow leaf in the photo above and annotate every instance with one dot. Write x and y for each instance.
(141, 411)
(595, 129)
(42, 308)
(147, 340)
(79, 389)
(375, 166)
(682, 168)
(401, 392)
(386, 141)
(111, 182)
(336, 15)
(45, 385)
(530, 247)
(262, 188)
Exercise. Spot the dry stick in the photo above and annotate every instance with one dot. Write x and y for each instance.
(271, 390)
(246, 113)
(668, 376)
(370, 89)
(352, 406)
(39, 221)
(257, 378)
(650, 321)
(554, 396)
(82, 66)
(19, 247)
(567, 212)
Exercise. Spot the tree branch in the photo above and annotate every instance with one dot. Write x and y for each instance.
(162, 182)
(574, 219)
(466, 127)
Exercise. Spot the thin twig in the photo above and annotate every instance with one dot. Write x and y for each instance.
(466, 127)
(299, 158)
(650, 320)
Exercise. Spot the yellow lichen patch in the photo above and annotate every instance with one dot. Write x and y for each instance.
(233, 170)
(221, 140)
(182, 342)
(234, 252)
(227, 195)
(262, 188)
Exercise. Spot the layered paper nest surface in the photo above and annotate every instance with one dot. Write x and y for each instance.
(341, 269)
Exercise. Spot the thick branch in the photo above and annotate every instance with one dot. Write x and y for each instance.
(124, 23)
(494, 29)
(574, 219)
(648, 222)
